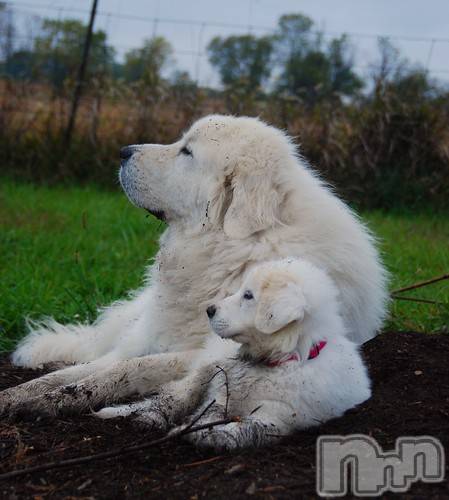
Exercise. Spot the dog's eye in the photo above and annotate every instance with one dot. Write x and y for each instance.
(186, 151)
(248, 295)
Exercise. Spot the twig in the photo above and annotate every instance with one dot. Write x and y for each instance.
(416, 299)
(227, 390)
(421, 284)
(113, 453)
(221, 370)
(195, 420)
(202, 462)
(256, 409)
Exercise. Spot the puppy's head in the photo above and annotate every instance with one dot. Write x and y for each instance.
(281, 306)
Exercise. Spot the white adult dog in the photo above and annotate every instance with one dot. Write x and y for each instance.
(295, 367)
(234, 191)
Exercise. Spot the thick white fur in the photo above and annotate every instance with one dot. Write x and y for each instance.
(270, 401)
(244, 196)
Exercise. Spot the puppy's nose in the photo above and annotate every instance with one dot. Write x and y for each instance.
(126, 152)
(211, 310)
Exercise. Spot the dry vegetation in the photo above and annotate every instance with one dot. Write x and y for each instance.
(385, 150)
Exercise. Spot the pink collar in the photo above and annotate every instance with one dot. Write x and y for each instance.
(294, 356)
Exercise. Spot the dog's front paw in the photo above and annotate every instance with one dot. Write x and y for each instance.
(12, 408)
(17, 404)
(8, 403)
(12, 399)
(66, 400)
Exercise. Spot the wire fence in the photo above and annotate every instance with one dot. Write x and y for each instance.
(388, 150)
(189, 37)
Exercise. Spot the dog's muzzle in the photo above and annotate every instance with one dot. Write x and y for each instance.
(130, 185)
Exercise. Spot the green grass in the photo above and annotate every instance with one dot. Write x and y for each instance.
(65, 252)
(415, 247)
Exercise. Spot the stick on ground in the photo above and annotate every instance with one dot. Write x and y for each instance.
(420, 284)
(417, 299)
(115, 452)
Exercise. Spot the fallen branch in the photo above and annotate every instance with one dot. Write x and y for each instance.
(420, 284)
(202, 462)
(221, 370)
(227, 390)
(416, 299)
(195, 420)
(116, 452)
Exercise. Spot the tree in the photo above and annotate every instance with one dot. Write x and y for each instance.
(415, 85)
(146, 63)
(390, 65)
(306, 77)
(295, 37)
(7, 32)
(20, 65)
(58, 51)
(242, 61)
(182, 84)
(309, 68)
(342, 78)
(394, 75)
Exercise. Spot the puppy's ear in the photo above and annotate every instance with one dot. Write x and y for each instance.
(279, 307)
(255, 201)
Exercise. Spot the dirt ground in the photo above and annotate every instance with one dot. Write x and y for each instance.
(411, 398)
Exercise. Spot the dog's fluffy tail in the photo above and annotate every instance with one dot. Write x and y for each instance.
(48, 341)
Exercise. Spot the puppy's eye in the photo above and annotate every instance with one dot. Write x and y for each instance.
(248, 295)
(186, 151)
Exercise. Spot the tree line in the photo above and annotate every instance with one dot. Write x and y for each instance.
(296, 61)
(381, 141)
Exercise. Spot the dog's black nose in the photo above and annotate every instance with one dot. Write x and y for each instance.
(211, 310)
(126, 152)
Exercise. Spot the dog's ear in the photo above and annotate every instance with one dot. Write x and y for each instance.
(216, 206)
(278, 307)
(254, 202)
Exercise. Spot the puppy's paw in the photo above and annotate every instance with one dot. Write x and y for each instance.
(220, 438)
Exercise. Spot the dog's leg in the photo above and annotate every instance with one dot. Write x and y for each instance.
(174, 402)
(13, 398)
(109, 385)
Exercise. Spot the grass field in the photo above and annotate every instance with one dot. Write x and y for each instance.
(67, 251)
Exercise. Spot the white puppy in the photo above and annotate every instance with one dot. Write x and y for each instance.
(295, 367)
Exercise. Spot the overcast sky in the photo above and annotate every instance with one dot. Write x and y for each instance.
(418, 20)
